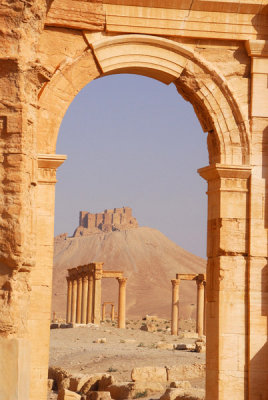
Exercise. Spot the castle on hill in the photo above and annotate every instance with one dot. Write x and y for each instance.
(116, 219)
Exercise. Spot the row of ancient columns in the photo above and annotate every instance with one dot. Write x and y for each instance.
(200, 311)
(104, 310)
(84, 295)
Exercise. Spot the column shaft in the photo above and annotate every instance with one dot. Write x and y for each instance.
(84, 299)
(112, 312)
(122, 303)
(103, 312)
(69, 300)
(90, 299)
(79, 300)
(74, 297)
(175, 306)
(200, 308)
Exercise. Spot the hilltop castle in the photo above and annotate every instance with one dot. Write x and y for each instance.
(116, 219)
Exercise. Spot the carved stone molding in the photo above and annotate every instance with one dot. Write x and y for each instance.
(47, 167)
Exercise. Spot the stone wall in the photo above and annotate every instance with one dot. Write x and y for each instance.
(116, 219)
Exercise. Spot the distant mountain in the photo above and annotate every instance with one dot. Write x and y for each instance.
(148, 258)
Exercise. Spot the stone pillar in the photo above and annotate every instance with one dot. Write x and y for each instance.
(69, 299)
(42, 231)
(122, 302)
(227, 270)
(97, 293)
(84, 298)
(205, 307)
(112, 312)
(200, 307)
(79, 299)
(74, 300)
(103, 311)
(175, 306)
(90, 299)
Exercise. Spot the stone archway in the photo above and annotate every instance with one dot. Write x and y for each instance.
(218, 59)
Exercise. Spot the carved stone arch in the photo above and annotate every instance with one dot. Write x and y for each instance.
(165, 60)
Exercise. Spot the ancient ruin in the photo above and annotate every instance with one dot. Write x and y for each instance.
(112, 314)
(84, 295)
(200, 280)
(116, 219)
(216, 54)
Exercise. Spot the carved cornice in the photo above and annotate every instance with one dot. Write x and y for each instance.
(217, 171)
(47, 167)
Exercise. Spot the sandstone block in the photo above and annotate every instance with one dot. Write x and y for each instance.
(149, 387)
(77, 382)
(200, 347)
(180, 385)
(57, 374)
(149, 374)
(97, 382)
(100, 340)
(99, 396)
(189, 335)
(165, 346)
(127, 341)
(54, 326)
(121, 391)
(185, 346)
(186, 371)
(65, 394)
(149, 327)
(182, 394)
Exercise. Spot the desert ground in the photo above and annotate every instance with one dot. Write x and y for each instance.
(77, 350)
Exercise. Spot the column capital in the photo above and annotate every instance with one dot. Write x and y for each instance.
(47, 167)
(257, 48)
(218, 171)
(122, 281)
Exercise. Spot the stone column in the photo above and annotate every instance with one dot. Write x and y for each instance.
(84, 298)
(227, 270)
(79, 299)
(175, 306)
(74, 299)
(112, 312)
(97, 293)
(90, 298)
(103, 311)
(200, 307)
(69, 299)
(122, 302)
(205, 307)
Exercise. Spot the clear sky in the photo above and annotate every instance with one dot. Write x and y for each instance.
(133, 141)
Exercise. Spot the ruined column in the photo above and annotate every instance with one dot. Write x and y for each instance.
(122, 302)
(112, 312)
(200, 306)
(74, 297)
(69, 299)
(84, 298)
(79, 299)
(90, 298)
(205, 307)
(175, 306)
(97, 293)
(103, 311)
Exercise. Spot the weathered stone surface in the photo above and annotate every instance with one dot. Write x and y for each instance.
(50, 383)
(98, 396)
(149, 327)
(186, 371)
(65, 394)
(182, 394)
(59, 375)
(185, 346)
(78, 381)
(149, 374)
(180, 384)
(165, 346)
(97, 382)
(200, 347)
(121, 391)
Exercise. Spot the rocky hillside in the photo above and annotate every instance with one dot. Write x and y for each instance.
(147, 257)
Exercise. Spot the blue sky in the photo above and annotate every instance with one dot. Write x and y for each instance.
(133, 141)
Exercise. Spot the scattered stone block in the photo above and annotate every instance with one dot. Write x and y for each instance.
(185, 346)
(186, 371)
(200, 347)
(58, 375)
(165, 346)
(189, 335)
(149, 387)
(127, 341)
(65, 394)
(65, 326)
(180, 385)
(149, 374)
(54, 326)
(149, 327)
(50, 383)
(99, 396)
(97, 382)
(100, 340)
(77, 382)
(182, 394)
(121, 391)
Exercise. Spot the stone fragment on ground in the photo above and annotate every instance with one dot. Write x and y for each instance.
(186, 371)
(98, 396)
(180, 385)
(65, 394)
(165, 346)
(185, 346)
(148, 327)
(200, 347)
(183, 394)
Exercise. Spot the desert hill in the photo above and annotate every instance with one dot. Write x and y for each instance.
(148, 258)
